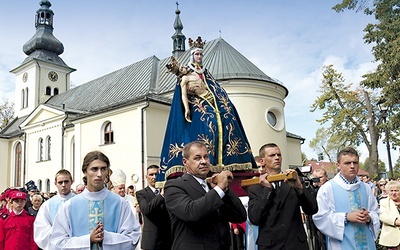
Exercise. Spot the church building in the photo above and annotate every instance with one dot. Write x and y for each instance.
(123, 113)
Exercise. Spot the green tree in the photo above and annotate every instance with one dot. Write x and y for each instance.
(396, 169)
(328, 144)
(381, 167)
(384, 34)
(350, 113)
(6, 113)
(303, 158)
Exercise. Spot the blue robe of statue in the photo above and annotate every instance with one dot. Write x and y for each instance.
(215, 122)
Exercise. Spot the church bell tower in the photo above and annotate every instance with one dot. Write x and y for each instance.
(43, 73)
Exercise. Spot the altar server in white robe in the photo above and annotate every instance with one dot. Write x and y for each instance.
(348, 211)
(48, 210)
(97, 218)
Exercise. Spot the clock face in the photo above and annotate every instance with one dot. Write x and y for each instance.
(25, 77)
(53, 76)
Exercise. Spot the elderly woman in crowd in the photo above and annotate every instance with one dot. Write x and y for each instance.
(37, 201)
(390, 217)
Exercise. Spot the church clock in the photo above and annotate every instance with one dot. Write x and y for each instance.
(53, 76)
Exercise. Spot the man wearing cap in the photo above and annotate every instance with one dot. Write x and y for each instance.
(47, 212)
(31, 189)
(157, 226)
(6, 210)
(16, 229)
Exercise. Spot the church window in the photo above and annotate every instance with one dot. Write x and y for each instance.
(39, 185)
(48, 90)
(56, 91)
(271, 117)
(40, 147)
(47, 185)
(22, 99)
(48, 146)
(26, 96)
(18, 165)
(72, 155)
(108, 134)
(274, 118)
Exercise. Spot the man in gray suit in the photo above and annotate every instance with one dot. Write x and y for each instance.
(200, 211)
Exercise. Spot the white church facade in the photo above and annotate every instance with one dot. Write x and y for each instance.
(123, 113)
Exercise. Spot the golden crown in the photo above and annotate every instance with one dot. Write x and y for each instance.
(198, 43)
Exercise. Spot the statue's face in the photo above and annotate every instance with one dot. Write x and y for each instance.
(198, 56)
(183, 70)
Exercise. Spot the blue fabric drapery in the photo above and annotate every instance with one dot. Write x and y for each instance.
(215, 122)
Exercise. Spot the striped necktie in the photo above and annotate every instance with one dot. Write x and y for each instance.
(204, 185)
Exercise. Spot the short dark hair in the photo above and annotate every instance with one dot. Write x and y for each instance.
(187, 147)
(261, 152)
(152, 166)
(63, 172)
(347, 151)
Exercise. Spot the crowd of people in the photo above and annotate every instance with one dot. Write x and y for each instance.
(198, 210)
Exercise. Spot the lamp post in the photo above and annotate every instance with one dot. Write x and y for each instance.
(384, 113)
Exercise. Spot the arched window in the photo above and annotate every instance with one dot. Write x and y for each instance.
(48, 145)
(18, 165)
(22, 99)
(47, 185)
(72, 154)
(40, 147)
(26, 96)
(39, 185)
(48, 90)
(108, 134)
(56, 91)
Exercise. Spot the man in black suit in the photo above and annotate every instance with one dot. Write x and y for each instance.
(275, 206)
(156, 233)
(200, 211)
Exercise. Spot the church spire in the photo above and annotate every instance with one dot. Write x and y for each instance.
(178, 37)
(43, 43)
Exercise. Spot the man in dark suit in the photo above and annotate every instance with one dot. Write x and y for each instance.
(275, 206)
(156, 233)
(201, 211)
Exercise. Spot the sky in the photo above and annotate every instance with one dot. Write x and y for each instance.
(289, 40)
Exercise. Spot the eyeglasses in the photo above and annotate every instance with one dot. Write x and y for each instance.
(382, 185)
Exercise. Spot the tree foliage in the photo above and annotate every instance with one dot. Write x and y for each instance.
(384, 35)
(328, 144)
(350, 114)
(303, 158)
(357, 5)
(6, 113)
(396, 169)
(381, 165)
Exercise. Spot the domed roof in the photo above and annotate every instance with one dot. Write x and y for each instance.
(43, 45)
